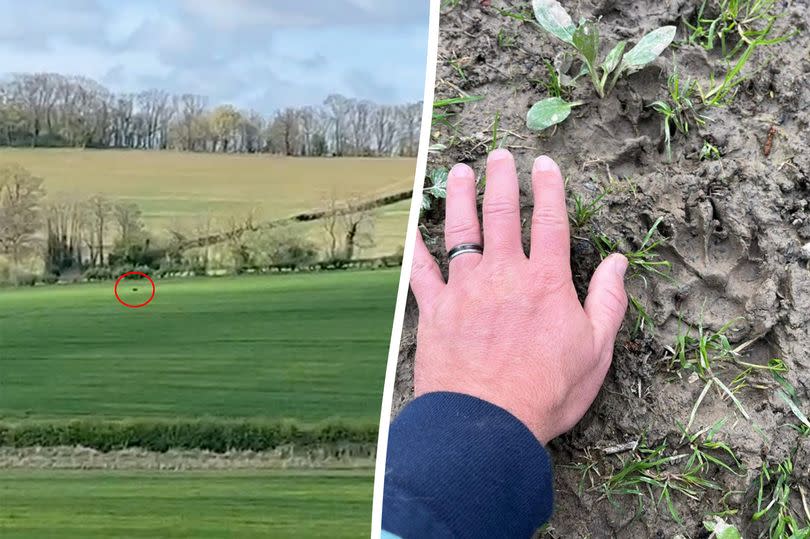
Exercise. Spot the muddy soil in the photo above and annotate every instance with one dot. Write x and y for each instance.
(738, 232)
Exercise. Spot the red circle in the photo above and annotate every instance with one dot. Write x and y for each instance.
(145, 303)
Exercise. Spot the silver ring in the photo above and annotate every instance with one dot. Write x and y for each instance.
(464, 248)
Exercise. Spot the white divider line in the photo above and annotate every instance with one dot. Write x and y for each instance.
(407, 260)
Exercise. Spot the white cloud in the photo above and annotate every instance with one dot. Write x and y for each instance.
(261, 53)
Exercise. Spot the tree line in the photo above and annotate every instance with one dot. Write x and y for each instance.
(51, 109)
(97, 237)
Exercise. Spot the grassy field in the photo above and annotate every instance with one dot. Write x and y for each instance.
(175, 189)
(36, 504)
(305, 346)
(170, 184)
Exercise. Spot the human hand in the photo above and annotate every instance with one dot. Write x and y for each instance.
(510, 329)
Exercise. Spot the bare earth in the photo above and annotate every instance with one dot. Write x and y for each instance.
(739, 243)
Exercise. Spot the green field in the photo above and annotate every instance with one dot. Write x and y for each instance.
(176, 189)
(306, 347)
(99, 504)
(302, 346)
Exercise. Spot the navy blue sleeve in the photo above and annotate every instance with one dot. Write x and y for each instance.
(458, 466)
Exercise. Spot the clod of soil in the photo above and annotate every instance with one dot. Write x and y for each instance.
(738, 232)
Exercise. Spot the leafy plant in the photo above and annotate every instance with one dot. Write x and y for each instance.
(437, 188)
(548, 112)
(721, 529)
(709, 151)
(584, 38)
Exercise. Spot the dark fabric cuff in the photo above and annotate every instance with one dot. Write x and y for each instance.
(458, 466)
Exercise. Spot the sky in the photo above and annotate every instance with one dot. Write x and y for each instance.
(254, 54)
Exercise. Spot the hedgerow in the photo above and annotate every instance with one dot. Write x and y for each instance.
(206, 434)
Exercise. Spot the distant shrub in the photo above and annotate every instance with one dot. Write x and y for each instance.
(98, 274)
(211, 435)
(277, 247)
(24, 278)
(49, 278)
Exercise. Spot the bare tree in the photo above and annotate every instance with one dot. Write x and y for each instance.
(64, 236)
(21, 196)
(225, 121)
(383, 127)
(338, 108)
(156, 109)
(127, 217)
(348, 226)
(98, 213)
(192, 107)
(409, 118)
(331, 226)
(36, 93)
(285, 130)
(358, 228)
(359, 118)
(78, 111)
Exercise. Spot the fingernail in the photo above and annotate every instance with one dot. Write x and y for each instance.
(620, 265)
(460, 170)
(499, 154)
(544, 163)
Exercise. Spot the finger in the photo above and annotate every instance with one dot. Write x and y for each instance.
(607, 301)
(550, 235)
(461, 219)
(501, 206)
(426, 278)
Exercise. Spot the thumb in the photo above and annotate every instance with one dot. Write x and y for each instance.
(607, 301)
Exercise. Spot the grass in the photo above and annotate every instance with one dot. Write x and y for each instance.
(41, 504)
(493, 145)
(733, 25)
(649, 472)
(169, 185)
(644, 321)
(305, 346)
(178, 188)
(553, 85)
(701, 353)
(707, 351)
(679, 110)
(506, 40)
(457, 67)
(583, 211)
(775, 488)
(709, 151)
(642, 261)
(705, 446)
(525, 15)
(443, 116)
